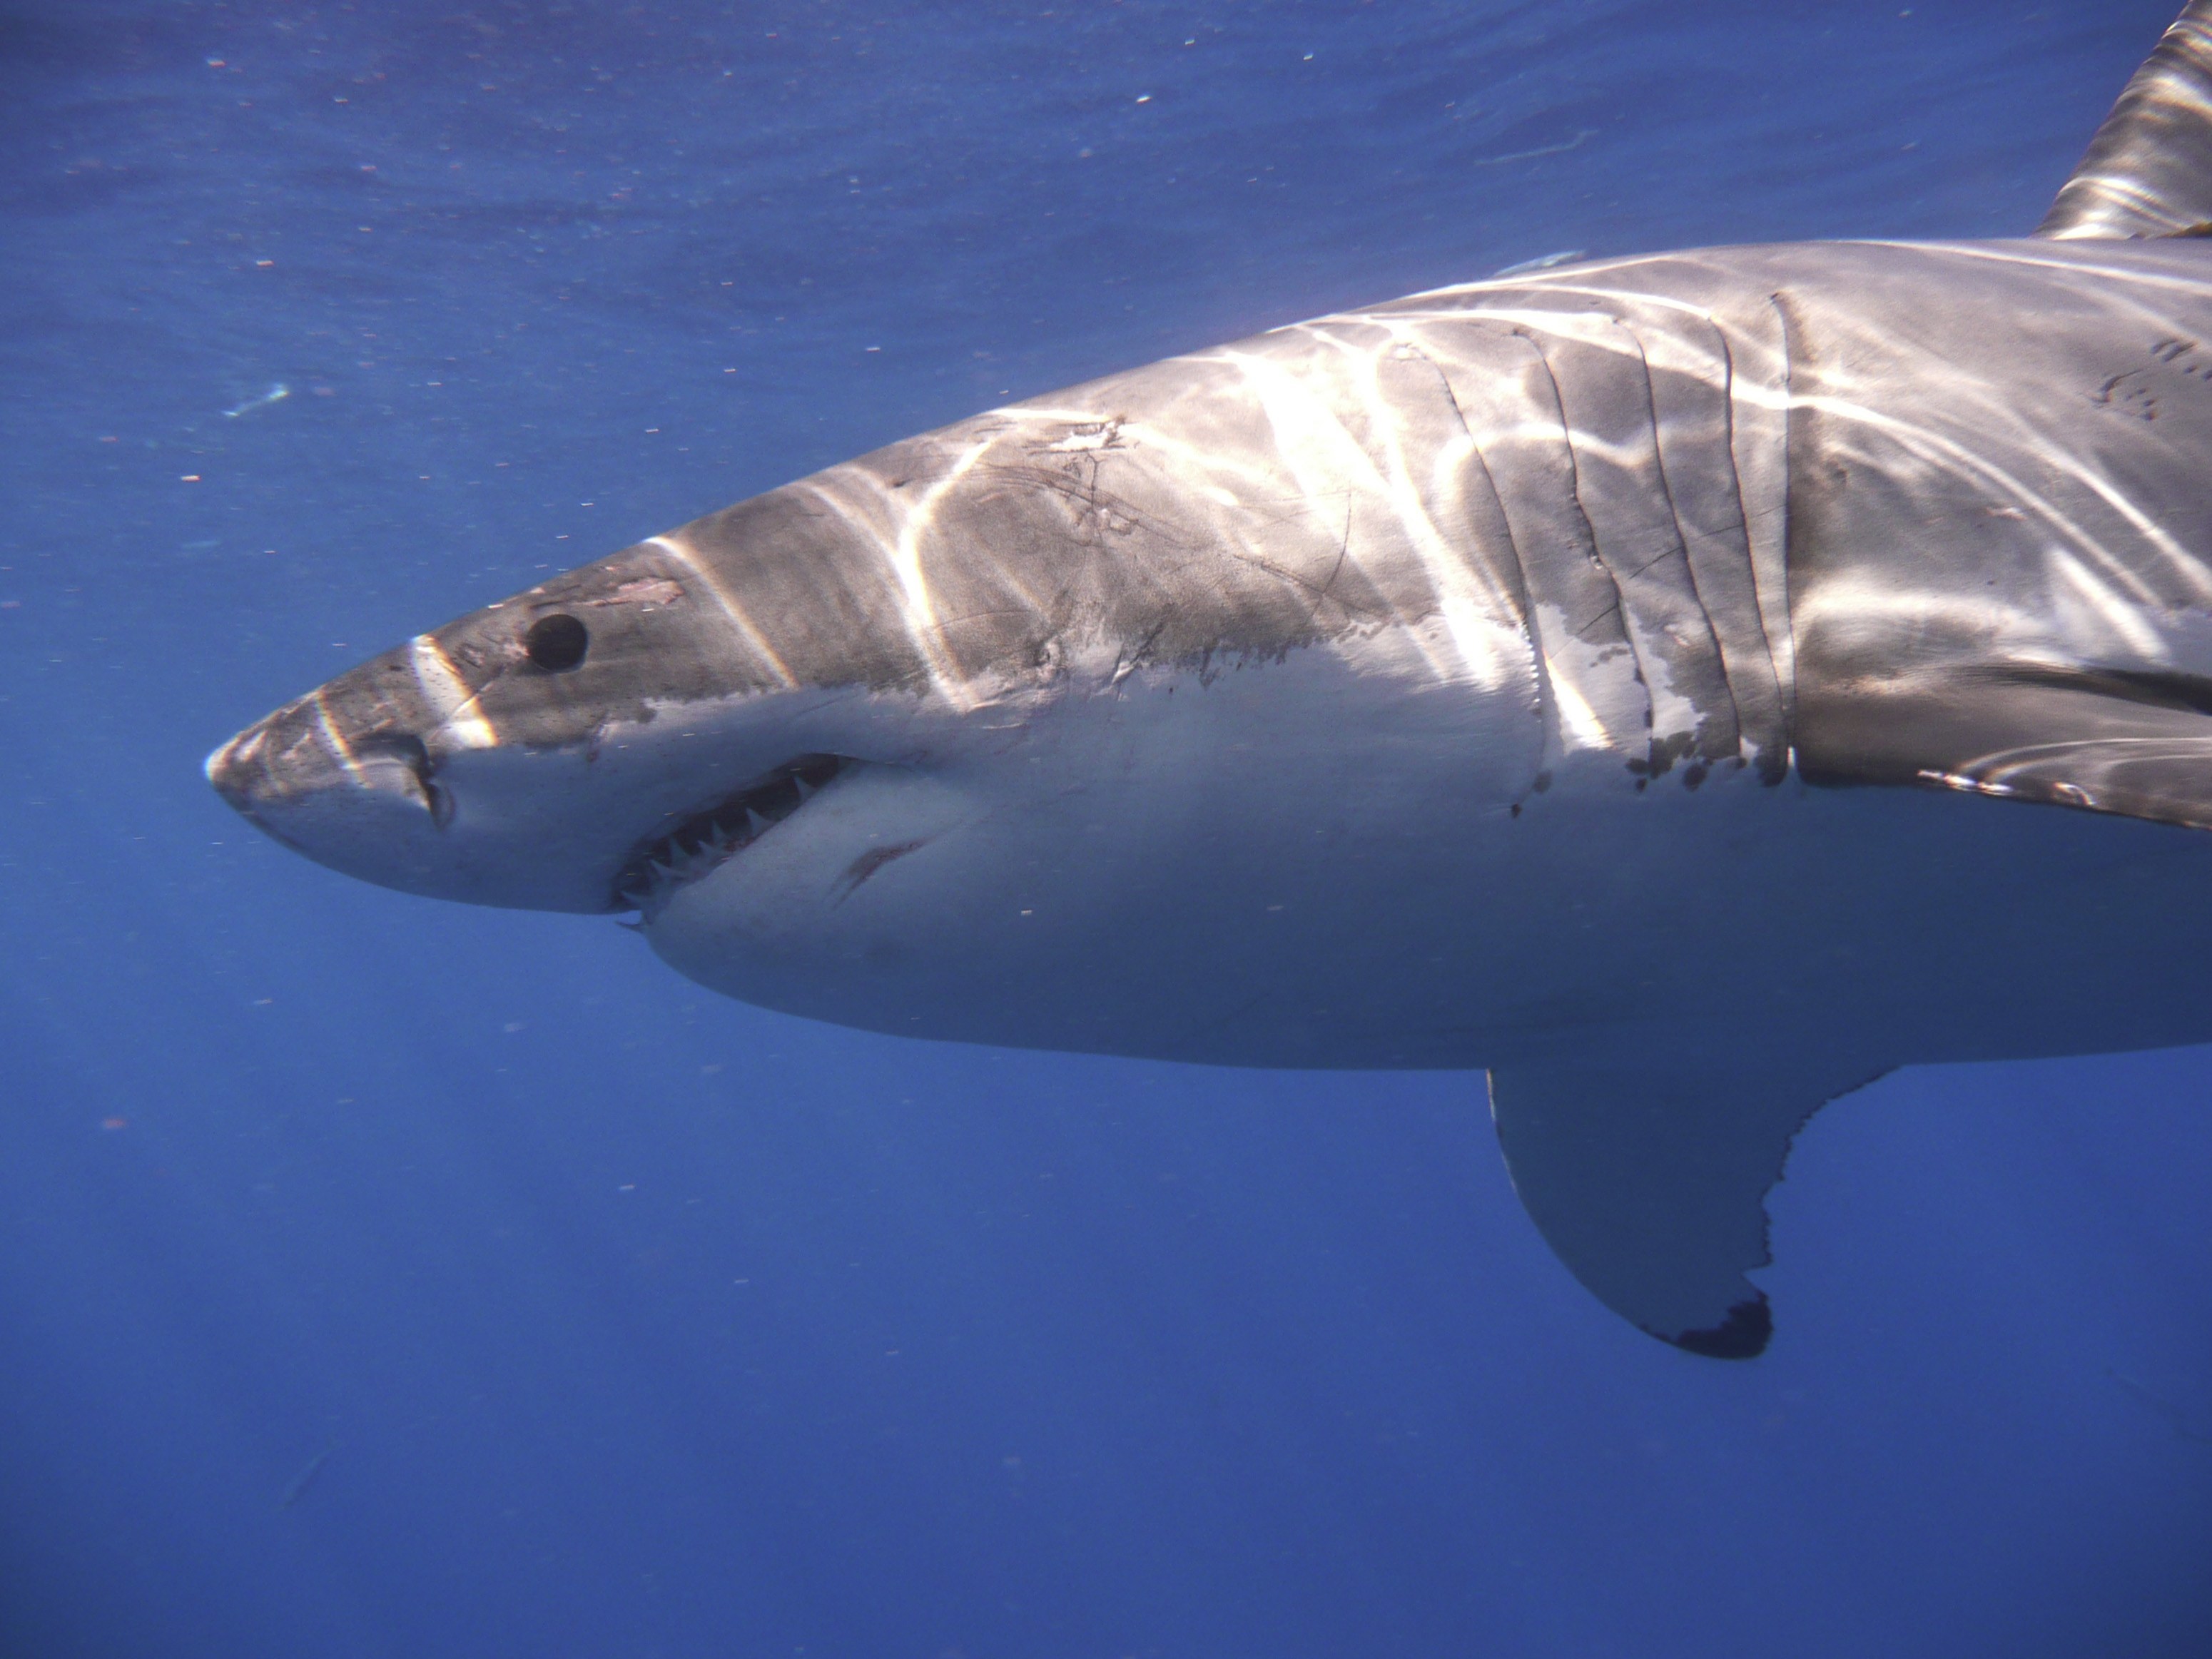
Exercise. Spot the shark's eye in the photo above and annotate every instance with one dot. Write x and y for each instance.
(556, 643)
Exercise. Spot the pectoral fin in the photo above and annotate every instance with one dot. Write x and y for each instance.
(2124, 741)
(1651, 1183)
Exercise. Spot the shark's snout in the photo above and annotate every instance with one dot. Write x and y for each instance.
(238, 771)
(370, 805)
(297, 759)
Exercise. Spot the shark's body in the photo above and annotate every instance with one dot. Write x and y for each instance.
(1591, 676)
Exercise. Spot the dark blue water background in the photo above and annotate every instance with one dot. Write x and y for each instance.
(381, 1277)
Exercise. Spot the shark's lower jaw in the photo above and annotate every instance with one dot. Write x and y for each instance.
(700, 844)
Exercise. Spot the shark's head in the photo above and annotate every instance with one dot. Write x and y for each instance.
(581, 746)
(1009, 733)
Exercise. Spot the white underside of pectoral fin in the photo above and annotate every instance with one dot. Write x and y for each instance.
(1649, 1183)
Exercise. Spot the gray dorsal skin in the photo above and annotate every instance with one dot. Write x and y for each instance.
(1686, 686)
(2149, 172)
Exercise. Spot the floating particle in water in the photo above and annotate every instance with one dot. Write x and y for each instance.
(276, 394)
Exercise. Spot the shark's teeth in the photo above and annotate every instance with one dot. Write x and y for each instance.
(699, 843)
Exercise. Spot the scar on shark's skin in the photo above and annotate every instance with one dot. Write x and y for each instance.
(868, 863)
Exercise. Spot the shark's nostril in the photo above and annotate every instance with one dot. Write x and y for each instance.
(411, 753)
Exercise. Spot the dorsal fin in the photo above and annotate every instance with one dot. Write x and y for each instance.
(2149, 172)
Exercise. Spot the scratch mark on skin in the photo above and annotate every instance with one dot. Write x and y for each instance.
(905, 555)
(685, 555)
(1321, 594)
(1101, 510)
(459, 707)
(1319, 448)
(1926, 445)
(899, 547)
(868, 863)
(1130, 660)
(333, 738)
(1184, 458)
(1439, 520)
(1581, 630)
(1319, 589)
(1658, 559)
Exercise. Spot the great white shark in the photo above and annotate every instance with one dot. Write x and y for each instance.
(1686, 686)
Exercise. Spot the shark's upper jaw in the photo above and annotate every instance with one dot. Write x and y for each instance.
(593, 827)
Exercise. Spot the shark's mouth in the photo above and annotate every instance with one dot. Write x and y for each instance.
(707, 839)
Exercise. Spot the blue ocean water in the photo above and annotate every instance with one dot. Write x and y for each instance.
(384, 1277)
